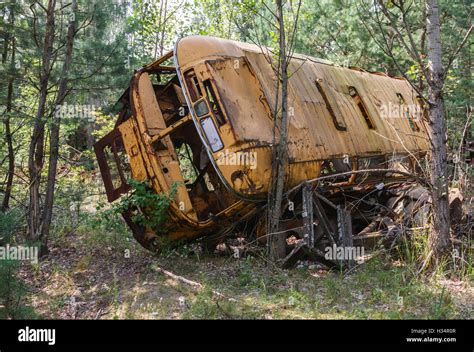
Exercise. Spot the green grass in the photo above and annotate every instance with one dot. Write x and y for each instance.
(380, 289)
(385, 287)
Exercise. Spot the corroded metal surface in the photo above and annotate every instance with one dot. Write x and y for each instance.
(217, 103)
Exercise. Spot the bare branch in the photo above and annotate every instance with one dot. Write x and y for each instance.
(410, 49)
(456, 52)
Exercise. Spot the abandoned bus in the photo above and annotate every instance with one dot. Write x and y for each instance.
(200, 118)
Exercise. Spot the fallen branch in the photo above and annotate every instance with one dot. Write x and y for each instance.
(100, 313)
(194, 284)
(425, 263)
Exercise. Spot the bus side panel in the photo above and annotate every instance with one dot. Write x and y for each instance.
(130, 141)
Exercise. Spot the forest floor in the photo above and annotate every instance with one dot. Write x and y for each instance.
(86, 277)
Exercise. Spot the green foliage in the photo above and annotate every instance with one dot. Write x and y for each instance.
(179, 249)
(381, 288)
(12, 293)
(117, 37)
(204, 307)
(108, 219)
(154, 26)
(151, 208)
(12, 288)
(441, 306)
(11, 222)
(245, 273)
(414, 249)
(414, 253)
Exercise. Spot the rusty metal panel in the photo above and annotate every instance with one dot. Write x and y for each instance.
(242, 98)
(326, 124)
(314, 134)
(163, 161)
(309, 112)
(128, 132)
(108, 145)
(154, 120)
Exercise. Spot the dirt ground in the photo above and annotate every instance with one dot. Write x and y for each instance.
(80, 282)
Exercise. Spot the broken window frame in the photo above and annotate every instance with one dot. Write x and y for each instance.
(362, 107)
(339, 123)
(185, 159)
(406, 112)
(109, 140)
(214, 102)
(192, 85)
(423, 107)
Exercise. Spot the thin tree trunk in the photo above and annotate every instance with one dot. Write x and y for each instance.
(421, 85)
(439, 236)
(54, 135)
(8, 133)
(277, 241)
(163, 26)
(36, 150)
(159, 29)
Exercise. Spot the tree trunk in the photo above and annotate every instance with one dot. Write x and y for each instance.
(36, 150)
(54, 133)
(421, 85)
(162, 27)
(8, 135)
(277, 241)
(439, 236)
(159, 30)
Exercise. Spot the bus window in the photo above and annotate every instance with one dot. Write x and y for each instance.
(193, 85)
(338, 122)
(361, 105)
(211, 134)
(406, 111)
(201, 108)
(213, 102)
(114, 164)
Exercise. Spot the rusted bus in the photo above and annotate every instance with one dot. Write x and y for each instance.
(201, 117)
